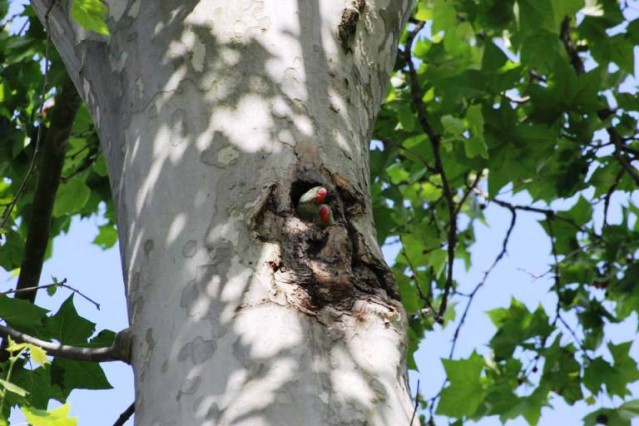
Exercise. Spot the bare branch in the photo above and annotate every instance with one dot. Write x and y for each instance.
(570, 47)
(471, 297)
(549, 213)
(416, 405)
(53, 152)
(435, 141)
(62, 283)
(125, 415)
(118, 351)
(425, 298)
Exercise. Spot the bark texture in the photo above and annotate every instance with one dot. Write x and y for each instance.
(215, 118)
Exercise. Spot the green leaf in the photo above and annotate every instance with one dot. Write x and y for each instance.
(597, 373)
(562, 372)
(107, 236)
(625, 368)
(605, 416)
(516, 325)
(397, 174)
(68, 374)
(622, 53)
(22, 314)
(437, 260)
(38, 383)
(535, 15)
(541, 50)
(452, 125)
(38, 355)
(629, 410)
(90, 14)
(12, 388)
(424, 12)
(54, 417)
(71, 197)
(67, 327)
(466, 391)
(581, 212)
(11, 250)
(406, 117)
(100, 166)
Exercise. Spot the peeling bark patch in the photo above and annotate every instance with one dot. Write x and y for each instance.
(197, 351)
(322, 266)
(210, 155)
(200, 297)
(148, 246)
(178, 124)
(189, 387)
(348, 23)
(206, 405)
(189, 248)
(227, 156)
(148, 339)
(241, 353)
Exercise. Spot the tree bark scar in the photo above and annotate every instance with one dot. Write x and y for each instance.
(348, 23)
(313, 265)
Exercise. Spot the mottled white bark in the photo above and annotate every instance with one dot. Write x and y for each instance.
(215, 116)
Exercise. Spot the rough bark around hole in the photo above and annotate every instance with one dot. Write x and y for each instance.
(323, 267)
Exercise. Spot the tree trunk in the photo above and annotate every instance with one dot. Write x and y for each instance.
(215, 117)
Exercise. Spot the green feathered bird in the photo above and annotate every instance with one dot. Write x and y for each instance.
(311, 207)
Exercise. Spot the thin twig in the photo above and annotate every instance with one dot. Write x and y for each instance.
(126, 415)
(422, 296)
(416, 404)
(574, 336)
(413, 155)
(570, 47)
(435, 141)
(471, 297)
(557, 282)
(549, 213)
(62, 283)
(469, 189)
(556, 285)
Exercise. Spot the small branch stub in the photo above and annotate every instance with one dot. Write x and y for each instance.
(118, 351)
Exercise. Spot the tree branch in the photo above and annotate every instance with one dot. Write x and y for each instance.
(62, 283)
(118, 351)
(125, 415)
(52, 162)
(435, 141)
(416, 405)
(471, 297)
(549, 213)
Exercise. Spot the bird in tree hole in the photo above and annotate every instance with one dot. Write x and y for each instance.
(311, 207)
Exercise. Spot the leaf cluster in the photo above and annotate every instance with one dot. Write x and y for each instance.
(30, 77)
(501, 101)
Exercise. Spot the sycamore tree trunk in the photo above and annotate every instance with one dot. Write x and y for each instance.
(215, 116)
